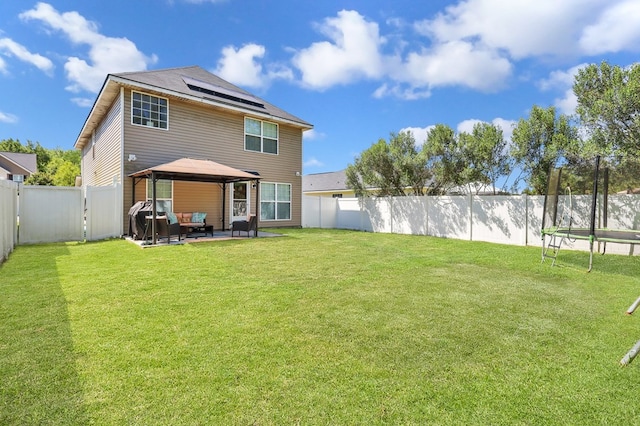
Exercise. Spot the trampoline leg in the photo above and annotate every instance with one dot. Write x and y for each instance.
(590, 256)
(626, 360)
(633, 307)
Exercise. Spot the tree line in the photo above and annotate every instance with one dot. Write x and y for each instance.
(606, 123)
(55, 166)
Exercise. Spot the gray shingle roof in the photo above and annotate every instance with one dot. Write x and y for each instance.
(331, 181)
(172, 80)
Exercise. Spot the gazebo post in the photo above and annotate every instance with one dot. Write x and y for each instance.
(224, 201)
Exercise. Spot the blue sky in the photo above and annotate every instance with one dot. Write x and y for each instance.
(356, 70)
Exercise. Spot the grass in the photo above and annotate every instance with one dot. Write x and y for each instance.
(317, 327)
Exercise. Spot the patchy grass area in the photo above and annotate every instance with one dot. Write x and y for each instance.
(316, 327)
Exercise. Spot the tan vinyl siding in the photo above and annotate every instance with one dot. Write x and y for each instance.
(203, 132)
(101, 160)
(199, 197)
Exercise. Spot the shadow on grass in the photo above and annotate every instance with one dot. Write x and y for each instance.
(39, 383)
(618, 264)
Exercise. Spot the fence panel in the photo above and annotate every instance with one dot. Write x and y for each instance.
(500, 219)
(50, 214)
(349, 215)
(409, 215)
(8, 217)
(319, 212)
(103, 212)
(450, 217)
(514, 219)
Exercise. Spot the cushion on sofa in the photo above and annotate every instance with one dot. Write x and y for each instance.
(198, 217)
(171, 216)
(184, 217)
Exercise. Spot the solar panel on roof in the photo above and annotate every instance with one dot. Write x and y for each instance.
(221, 92)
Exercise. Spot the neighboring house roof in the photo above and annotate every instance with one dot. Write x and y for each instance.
(325, 182)
(190, 83)
(19, 163)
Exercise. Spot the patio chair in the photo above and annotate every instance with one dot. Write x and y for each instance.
(245, 225)
(164, 229)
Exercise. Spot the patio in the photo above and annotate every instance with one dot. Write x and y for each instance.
(201, 238)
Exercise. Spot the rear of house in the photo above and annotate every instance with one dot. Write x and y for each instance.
(144, 119)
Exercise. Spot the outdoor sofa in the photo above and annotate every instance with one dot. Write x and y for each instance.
(190, 222)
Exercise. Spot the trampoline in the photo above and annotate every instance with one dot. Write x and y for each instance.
(559, 227)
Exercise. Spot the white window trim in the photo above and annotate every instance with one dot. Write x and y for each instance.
(262, 122)
(276, 202)
(155, 96)
(148, 197)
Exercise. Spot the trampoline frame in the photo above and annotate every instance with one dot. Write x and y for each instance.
(591, 234)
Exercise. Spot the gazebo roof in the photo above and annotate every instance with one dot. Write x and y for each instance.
(190, 169)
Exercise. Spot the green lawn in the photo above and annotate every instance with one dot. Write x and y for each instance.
(316, 327)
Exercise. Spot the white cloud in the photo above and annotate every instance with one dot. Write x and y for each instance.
(352, 54)
(521, 28)
(563, 81)
(402, 92)
(82, 102)
(457, 63)
(8, 118)
(505, 125)
(242, 67)
(12, 48)
(313, 162)
(467, 125)
(618, 28)
(3, 66)
(419, 133)
(312, 135)
(106, 54)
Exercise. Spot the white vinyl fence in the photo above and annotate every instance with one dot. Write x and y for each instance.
(515, 219)
(8, 217)
(52, 214)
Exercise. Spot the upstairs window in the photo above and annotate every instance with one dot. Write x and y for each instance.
(260, 136)
(147, 110)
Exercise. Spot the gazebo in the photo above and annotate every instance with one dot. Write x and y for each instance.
(189, 169)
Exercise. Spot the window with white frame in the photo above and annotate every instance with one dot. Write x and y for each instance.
(260, 136)
(164, 195)
(148, 110)
(275, 201)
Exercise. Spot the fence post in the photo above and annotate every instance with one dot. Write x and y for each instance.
(470, 216)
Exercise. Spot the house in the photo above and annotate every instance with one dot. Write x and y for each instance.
(17, 166)
(329, 184)
(143, 121)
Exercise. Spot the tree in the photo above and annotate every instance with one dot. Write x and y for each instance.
(389, 168)
(540, 142)
(446, 159)
(55, 166)
(609, 107)
(488, 154)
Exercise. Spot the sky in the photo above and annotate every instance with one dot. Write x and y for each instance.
(358, 71)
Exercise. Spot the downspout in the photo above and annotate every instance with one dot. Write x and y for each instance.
(153, 207)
